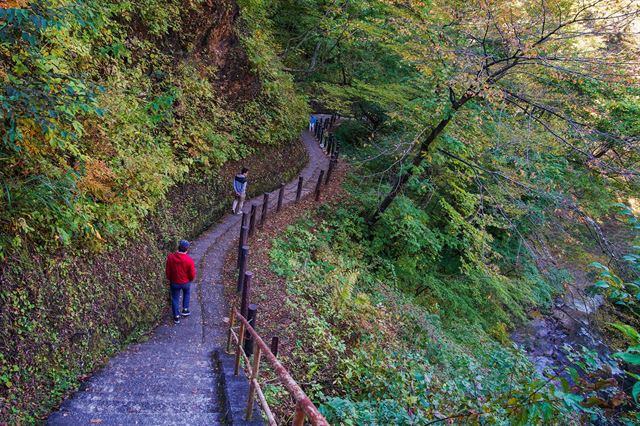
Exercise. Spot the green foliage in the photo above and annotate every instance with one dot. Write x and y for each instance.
(371, 353)
(287, 110)
(625, 294)
(101, 119)
(499, 149)
(53, 334)
(622, 292)
(631, 355)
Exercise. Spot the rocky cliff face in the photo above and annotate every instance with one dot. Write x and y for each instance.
(217, 43)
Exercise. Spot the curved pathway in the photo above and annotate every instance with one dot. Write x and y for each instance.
(171, 378)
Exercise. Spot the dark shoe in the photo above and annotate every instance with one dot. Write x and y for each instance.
(176, 320)
(185, 313)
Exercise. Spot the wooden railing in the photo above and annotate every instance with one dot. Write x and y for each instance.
(304, 407)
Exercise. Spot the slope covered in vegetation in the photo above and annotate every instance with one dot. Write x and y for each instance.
(492, 145)
(122, 125)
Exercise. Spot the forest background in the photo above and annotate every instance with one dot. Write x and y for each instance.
(493, 149)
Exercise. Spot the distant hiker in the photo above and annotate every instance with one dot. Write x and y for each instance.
(181, 271)
(240, 187)
(312, 123)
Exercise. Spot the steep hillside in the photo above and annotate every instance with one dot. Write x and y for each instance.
(494, 158)
(124, 123)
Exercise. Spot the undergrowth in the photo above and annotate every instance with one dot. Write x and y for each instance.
(371, 352)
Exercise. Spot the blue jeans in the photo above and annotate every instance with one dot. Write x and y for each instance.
(175, 297)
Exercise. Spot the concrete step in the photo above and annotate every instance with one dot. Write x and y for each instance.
(160, 362)
(202, 397)
(92, 403)
(143, 379)
(202, 386)
(117, 375)
(174, 393)
(173, 419)
(183, 375)
(170, 347)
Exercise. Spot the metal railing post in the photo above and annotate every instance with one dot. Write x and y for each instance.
(246, 292)
(252, 311)
(329, 171)
(244, 257)
(252, 220)
(244, 234)
(265, 209)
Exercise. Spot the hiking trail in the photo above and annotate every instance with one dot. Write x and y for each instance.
(172, 378)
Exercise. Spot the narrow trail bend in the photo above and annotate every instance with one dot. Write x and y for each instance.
(171, 378)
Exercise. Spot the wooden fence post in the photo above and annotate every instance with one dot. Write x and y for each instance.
(319, 185)
(236, 365)
(244, 253)
(329, 171)
(252, 311)
(280, 197)
(274, 345)
(265, 209)
(299, 190)
(252, 220)
(242, 241)
(232, 318)
(246, 293)
(298, 419)
(252, 383)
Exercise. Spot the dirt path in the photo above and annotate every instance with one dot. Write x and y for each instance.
(170, 378)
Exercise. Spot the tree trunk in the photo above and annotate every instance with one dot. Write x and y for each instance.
(402, 180)
(456, 104)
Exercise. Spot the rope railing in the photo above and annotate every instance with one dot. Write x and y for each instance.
(305, 409)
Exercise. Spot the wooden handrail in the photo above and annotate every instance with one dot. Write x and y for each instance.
(304, 406)
(305, 409)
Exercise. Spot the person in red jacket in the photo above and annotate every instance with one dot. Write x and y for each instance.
(181, 271)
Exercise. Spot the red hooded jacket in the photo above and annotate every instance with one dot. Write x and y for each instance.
(180, 268)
